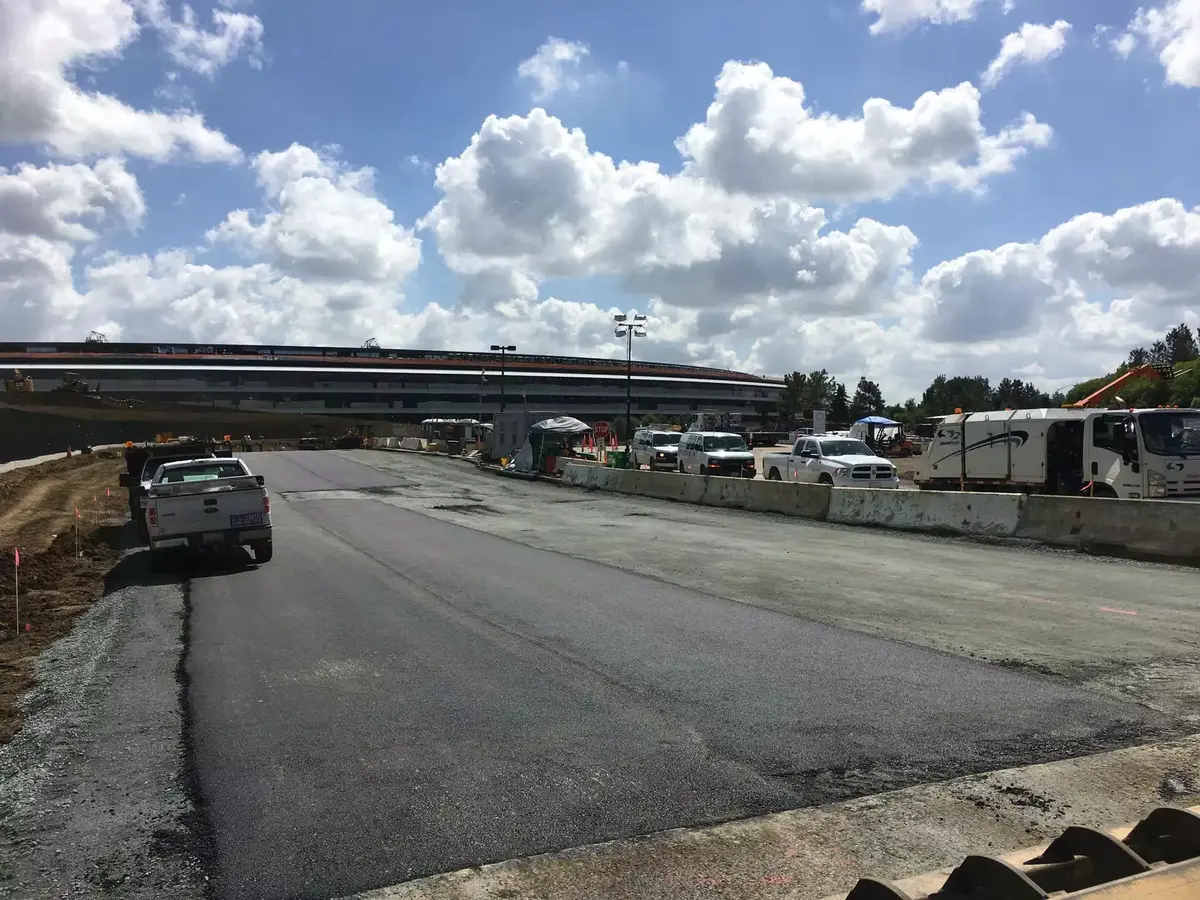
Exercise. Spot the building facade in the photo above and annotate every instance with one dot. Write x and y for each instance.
(396, 385)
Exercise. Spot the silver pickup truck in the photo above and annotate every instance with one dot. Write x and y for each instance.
(203, 504)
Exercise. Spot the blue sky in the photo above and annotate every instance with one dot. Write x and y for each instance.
(398, 88)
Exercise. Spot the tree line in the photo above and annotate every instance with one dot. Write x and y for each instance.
(803, 392)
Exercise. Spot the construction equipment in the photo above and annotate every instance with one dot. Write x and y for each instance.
(72, 383)
(19, 383)
(1153, 371)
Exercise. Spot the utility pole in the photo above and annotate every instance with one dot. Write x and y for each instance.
(504, 349)
(629, 327)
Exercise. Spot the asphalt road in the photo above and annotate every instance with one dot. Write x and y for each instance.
(397, 695)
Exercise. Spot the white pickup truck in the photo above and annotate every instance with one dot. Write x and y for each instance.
(203, 504)
(831, 459)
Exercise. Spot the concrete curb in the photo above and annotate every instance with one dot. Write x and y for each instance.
(1155, 530)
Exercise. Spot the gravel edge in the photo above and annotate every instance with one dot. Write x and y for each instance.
(96, 798)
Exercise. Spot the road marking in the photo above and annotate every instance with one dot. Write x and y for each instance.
(1123, 612)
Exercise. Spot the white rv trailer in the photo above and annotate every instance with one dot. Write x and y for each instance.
(1127, 453)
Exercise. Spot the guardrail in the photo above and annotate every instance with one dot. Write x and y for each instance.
(1165, 530)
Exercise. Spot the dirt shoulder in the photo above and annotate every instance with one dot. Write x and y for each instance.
(37, 515)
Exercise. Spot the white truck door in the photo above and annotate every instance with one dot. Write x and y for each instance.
(1111, 454)
(800, 462)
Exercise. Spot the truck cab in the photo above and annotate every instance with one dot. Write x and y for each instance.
(1143, 453)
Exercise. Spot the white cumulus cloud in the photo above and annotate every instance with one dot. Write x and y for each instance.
(1173, 30)
(42, 43)
(760, 137)
(1028, 46)
(205, 51)
(896, 15)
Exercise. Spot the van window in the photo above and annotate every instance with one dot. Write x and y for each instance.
(724, 442)
(665, 440)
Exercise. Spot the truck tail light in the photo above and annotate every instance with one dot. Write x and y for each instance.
(266, 504)
(152, 515)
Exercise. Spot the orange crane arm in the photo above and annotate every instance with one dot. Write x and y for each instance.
(1150, 370)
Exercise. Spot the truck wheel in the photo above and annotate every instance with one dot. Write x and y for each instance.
(906, 452)
(825, 479)
(680, 466)
(263, 551)
(774, 475)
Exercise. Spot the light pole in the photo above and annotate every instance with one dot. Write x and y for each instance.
(629, 327)
(504, 349)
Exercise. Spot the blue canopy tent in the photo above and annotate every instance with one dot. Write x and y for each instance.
(883, 435)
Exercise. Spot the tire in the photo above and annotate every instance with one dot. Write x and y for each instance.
(1104, 491)
(906, 452)
(263, 551)
(774, 475)
(825, 479)
(680, 468)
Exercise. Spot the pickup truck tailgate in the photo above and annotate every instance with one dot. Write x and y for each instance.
(208, 506)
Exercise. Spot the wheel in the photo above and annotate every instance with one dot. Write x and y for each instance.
(679, 466)
(263, 551)
(825, 479)
(774, 475)
(906, 452)
(1105, 491)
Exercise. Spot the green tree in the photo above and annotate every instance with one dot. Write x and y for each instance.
(868, 400)
(792, 397)
(1181, 344)
(819, 390)
(839, 404)
(969, 393)
(1013, 393)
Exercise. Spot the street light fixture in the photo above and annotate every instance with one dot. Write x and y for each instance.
(503, 349)
(629, 327)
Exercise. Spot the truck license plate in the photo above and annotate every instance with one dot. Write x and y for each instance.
(247, 519)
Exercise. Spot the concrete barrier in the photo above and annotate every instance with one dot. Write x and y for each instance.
(810, 501)
(1154, 529)
(933, 511)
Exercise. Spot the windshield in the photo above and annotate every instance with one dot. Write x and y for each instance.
(724, 442)
(665, 440)
(208, 472)
(1171, 433)
(845, 448)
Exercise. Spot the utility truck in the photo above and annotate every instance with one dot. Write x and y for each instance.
(1132, 454)
(1127, 453)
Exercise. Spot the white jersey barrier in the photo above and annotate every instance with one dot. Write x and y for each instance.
(1145, 529)
(995, 515)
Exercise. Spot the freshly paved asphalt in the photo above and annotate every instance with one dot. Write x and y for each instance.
(396, 695)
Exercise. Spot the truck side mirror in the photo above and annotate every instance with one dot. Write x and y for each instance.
(123, 479)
